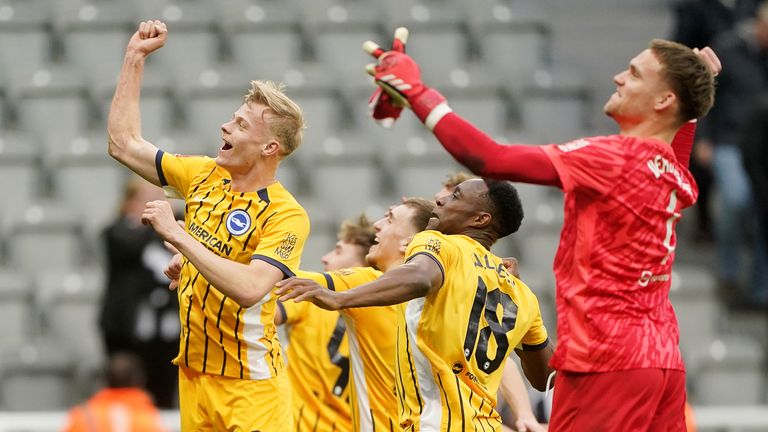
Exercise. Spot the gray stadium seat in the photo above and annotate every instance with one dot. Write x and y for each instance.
(95, 35)
(194, 44)
(20, 167)
(477, 97)
(52, 99)
(86, 180)
(48, 236)
(262, 36)
(37, 376)
(68, 301)
(554, 107)
(341, 176)
(418, 166)
(25, 42)
(697, 308)
(322, 238)
(728, 371)
(17, 323)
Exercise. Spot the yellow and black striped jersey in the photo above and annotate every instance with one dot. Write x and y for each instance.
(218, 336)
(371, 332)
(452, 344)
(318, 367)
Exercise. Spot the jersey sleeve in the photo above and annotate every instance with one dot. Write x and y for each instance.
(434, 245)
(282, 239)
(536, 337)
(346, 279)
(589, 163)
(176, 172)
(293, 312)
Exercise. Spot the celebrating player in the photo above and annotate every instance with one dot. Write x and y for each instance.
(244, 232)
(318, 354)
(465, 311)
(618, 361)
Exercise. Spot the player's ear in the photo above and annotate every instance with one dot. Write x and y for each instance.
(482, 219)
(664, 101)
(272, 148)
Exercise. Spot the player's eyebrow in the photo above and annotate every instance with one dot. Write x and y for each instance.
(239, 118)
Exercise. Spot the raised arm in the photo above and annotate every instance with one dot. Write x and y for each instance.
(399, 75)
(416, 278)
(126, 144)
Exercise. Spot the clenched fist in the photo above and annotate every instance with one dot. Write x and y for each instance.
(149, 37)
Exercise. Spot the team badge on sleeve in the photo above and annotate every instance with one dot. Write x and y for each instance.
(434, 246)
(238, 222)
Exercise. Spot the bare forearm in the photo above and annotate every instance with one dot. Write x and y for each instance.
(515, 393)
(235, 280)
(393, 287)
(124, 123)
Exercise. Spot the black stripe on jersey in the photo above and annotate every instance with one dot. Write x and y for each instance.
(186, 343)
(482, 402)
(190, 280)
(298, 419)
(537, 347)
(258, 215)
(461, 401)
(221, 219)
(474, 416)
(206, 178)
(317, 420)
(271, 354)
(399, 372)
(442, 270)
(221, 337)
(201, 203)
(159, 167)
(280, 266)
(373, 420)
(329, 281)
(391, 426)
(237, 324)
(205, 327)
(214, 208)
(447, 403)
(229, 239)
(267, 219)
(413, 374)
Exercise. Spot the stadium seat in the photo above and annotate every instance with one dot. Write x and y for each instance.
(25, 40)
(477, 96)
(418, 166)
(86, 180)
(322, 238)
(68, 301)
(94, 36)
(337, 33)
(728, 371)
(554, 107)
(53, 99)
(438, 39)
(47, 236)
(195, 43)
(17, 323)
(341, 176)
(699, 313)
(262, 36)
(20, 167)
(37, 376)
(312, 87)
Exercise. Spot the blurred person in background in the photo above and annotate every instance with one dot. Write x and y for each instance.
(138, 314)
(744, 51)
(122, 406)
(697, 24)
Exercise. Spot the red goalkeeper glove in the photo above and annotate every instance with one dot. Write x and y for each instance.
(399, 76)
(382, 108)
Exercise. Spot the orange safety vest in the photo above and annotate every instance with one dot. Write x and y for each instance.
(116, 409)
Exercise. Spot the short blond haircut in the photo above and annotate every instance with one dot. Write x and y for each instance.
(454, 179)
(359, 231)
(283, 116)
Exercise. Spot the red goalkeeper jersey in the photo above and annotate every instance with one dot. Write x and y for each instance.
(623, 197)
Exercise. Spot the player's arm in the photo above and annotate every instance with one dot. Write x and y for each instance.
(513, 391)
(419, 277)
(126, 144)
(246, 284)
(535, 364)
(399, 75)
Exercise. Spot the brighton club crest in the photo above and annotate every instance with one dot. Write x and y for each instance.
(238, 222)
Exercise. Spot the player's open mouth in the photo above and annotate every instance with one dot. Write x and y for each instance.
(226, 146)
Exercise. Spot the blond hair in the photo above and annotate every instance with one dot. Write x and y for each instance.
(359, 232)
(457, 178)
(283, 116)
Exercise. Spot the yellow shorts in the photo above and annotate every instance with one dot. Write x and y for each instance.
(216, 403)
